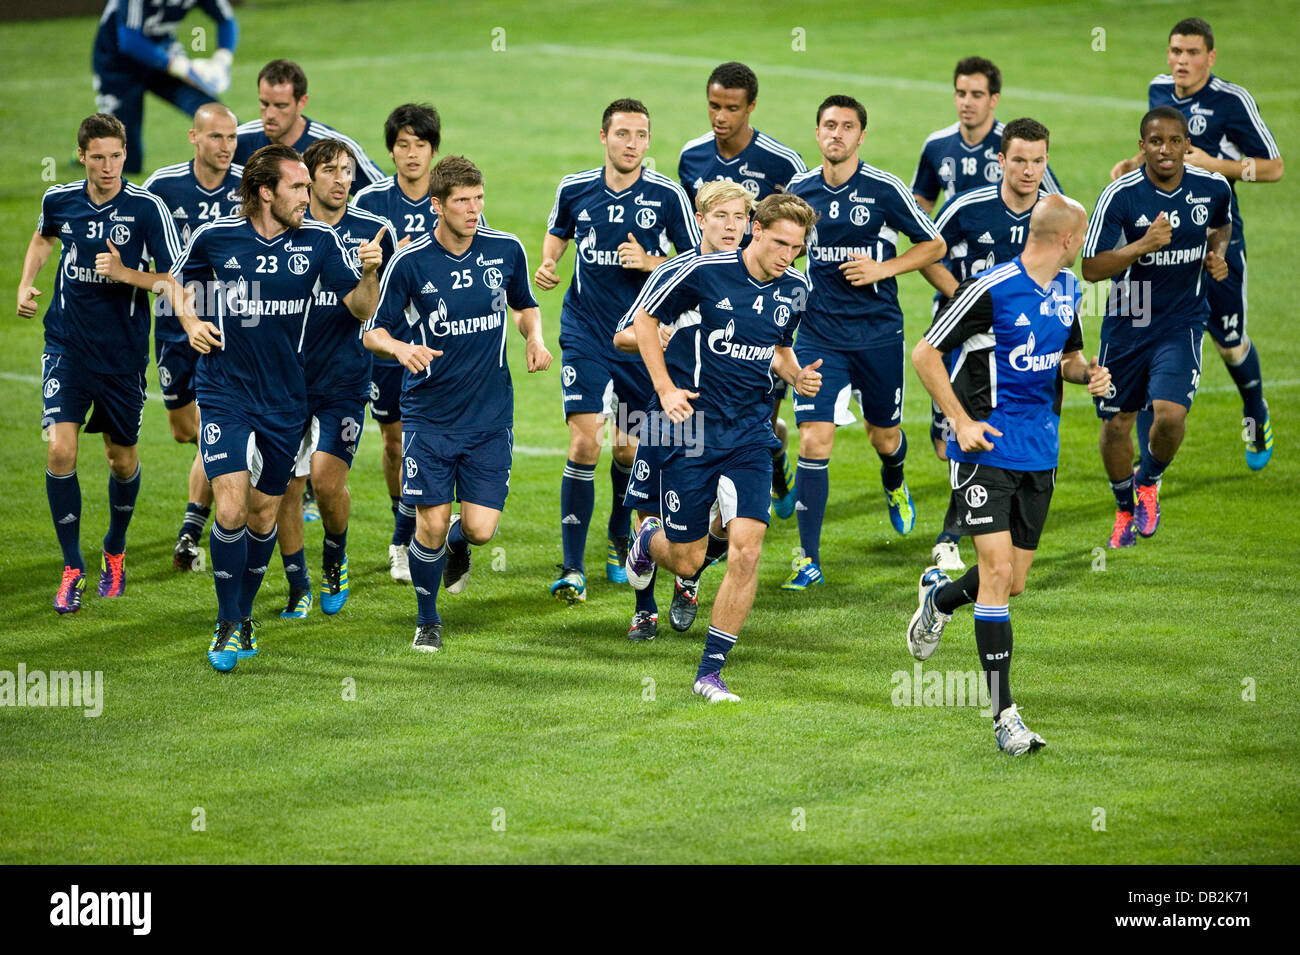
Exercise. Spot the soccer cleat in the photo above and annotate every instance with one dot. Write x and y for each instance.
(946, 555)
(713, 689)
(685, 604)
(640, 565)
(926, 627)
(645, 626)
(186, 552)
(428, 638)
(334, 589)
(1124, 533)
(1013, 736)
(806, 574)
(67, 599)
(1261, 449)
(782, 486)
(399, 563)
(112, 578)
(571, 586)
(223, 652)
(615, 558)
(298, 607)
(310, 510)
(783, 507)
(247, 638)
(1146, 510)
(455, 571)
(901, 512)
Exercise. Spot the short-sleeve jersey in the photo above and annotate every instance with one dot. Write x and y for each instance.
(1010, 334)
(1163, 291)
(411, 218)
(1224, 122)
(686, 318)
(727, 356)
(864, 216)
(761, 167)
(258, 292)
(191, 206)
(252, 137)
(459, 305)
(653, 209)
(104, 324)
(981, 231)
(949, 165)
(335, 360)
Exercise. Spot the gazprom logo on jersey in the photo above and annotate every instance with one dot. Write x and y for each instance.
(78, 273)
(720, 343)
(441, 325)
(594, 256)
(1022, 358)
(481, 262)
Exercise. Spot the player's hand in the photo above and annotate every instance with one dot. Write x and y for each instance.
(1122, 167)
(213, 72)
(809, 380)
(404, 242)
(632, 256)
(371, 255)
(539, 358)
(546, 278)
(27, 301)
(1216, 265)
(416, 358)
(1159, 234)
(1199, 157)
(666, 333)
(676, 403)
(972, 435)
(197, 73)
(204, 337)
(863, 270)
(1098, 379)
(109, 264)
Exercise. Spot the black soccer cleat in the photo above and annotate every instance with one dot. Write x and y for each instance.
(428, 638)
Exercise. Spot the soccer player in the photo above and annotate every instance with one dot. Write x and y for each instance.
(855, 324)
(282, 97)
(721, 371)
(722, 211)
(201, 190)
(442, 314)
(243, 288)
(965, 154)
(337, 372)
(1227, 135)
(136, 51)
(1156, 230)
(413, 133)
(982, 227)
(735, 151)
(96, 339)
(624, 218)
(1017, 328)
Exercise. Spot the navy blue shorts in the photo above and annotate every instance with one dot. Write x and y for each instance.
(472, 467)
(1163, 369)
(233, 440)
(1227, 324)
(334, 427)
(740, 479)
(386, 392)
(176, 363)
(872, 375)
(592, 385)
(68, 391)
(643, 486)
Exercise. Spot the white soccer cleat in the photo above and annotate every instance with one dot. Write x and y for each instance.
(714, 690)
(947, 557)
(399, 563)
(1013, 736)
(926, 627)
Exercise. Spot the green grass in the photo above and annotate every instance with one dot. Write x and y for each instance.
(1134, 674)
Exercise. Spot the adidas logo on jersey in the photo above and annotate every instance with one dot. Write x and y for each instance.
(429, 289)
(571, 519)
(1022, 320)
(1142, 222)
(985, 239)
(232, 263)
(66, 230)
(180, 213)
(725, 303)
(583, 217)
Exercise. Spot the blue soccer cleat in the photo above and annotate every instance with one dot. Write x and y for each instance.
(806, 575)
(782, 487)
(298, 606)
(223, 652)
(615, 558)
(247, 638)
(334, 590)
(310, 509)
(901, 512)
(1261, 449)
(571, 586)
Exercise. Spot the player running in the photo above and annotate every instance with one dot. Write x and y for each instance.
(854, 325)
(442, 314)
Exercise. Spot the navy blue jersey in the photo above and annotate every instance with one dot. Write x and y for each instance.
(1224, 122)
(981, 231)
(252, 138)
(653, 209)
(1011, 333)
(258, 292)
(459, 305)
(336, 362)
(659, 275)
(727, 356)
(191, 206)
(864, 216)
(144, 30)
(104, 324)
(1162, 291)
(411, 218)
(761, 167)
(949, 165)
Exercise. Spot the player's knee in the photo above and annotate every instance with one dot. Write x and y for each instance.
(584, 448)
(742, 557)
(624, 452)
(1235, 354)
(480, 532)
(392, 443)
(884, 440)
(183, 432)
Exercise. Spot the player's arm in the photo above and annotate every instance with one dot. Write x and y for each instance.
(1216, 256)
(1079, 371)
(924, 203)
(968, 312)
(364, 299)
(38, 253)
(414, 358)
(553, 248)
(1248, 169)
(938, 275)
(632, 255)
(863, 270)
(1103, 265)
(1125, 166)
(529, 323)
(109, 264)
(203, 335)
(676, 402)
(806, 380)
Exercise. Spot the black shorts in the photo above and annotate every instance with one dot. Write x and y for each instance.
(988, 500)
